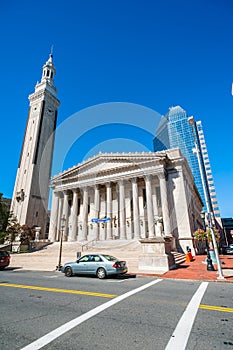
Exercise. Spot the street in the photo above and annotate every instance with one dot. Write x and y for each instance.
(47, 310)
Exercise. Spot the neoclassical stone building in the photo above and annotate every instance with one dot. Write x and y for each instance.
(134, 196)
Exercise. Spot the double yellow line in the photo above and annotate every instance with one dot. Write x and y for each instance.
(102, 295)
(216, 308)
(58, 290)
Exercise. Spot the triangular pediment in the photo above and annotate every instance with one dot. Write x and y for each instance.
(107, 163)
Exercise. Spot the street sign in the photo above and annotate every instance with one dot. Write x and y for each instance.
(97, 220)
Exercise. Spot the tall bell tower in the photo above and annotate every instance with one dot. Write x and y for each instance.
(31, 191)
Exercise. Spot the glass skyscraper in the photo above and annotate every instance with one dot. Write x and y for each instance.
(175, 131)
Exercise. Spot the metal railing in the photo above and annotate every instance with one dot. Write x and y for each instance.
(89, 244)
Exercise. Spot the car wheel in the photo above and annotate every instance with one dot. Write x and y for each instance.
(101, 273)
(68, 271)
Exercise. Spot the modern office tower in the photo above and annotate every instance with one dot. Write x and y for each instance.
(30, 197)
(174, 130)
(208, 171)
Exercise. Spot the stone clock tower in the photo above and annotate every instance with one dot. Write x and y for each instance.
(30, 197)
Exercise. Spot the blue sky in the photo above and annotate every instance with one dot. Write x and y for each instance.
(153, 53)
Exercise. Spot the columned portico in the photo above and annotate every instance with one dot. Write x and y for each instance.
(131, 190)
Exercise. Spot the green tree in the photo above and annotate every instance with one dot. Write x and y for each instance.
(4, 216)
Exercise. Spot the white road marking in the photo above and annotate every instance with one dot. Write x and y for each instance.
(120, 281)
(48, 338)
(181, 334)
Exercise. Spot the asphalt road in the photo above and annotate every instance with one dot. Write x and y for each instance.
(130, 313)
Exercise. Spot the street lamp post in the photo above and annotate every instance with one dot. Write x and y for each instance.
(63, 220)
(208, 259)
(207, 196)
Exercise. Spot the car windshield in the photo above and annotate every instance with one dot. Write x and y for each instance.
(110, 258)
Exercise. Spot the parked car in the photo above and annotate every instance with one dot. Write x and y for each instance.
(4, 259)
(101, 265)
(227, 249)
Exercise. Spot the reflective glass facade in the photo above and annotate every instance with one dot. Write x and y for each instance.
(174, 131)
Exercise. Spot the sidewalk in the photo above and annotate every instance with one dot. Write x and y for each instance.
(194, 270)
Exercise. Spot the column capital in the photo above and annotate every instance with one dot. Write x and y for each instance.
(134, 180)
(58, 193)
(148, 177)
(121, 182)
(162, 175)
(108, 184)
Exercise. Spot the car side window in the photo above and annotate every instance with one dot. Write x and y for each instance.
(91, 258)
(97, 258)
(85, 258)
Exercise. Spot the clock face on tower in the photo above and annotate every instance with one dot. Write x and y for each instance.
(49, 110)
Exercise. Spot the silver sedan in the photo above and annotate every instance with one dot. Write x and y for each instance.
(101, 265)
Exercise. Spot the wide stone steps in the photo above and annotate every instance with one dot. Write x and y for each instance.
(47, 258)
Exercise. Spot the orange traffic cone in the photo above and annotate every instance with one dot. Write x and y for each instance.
(189, 257)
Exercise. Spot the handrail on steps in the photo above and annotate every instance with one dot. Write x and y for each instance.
(90, 243)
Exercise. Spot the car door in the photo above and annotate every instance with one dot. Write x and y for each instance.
(91, 265)
(81, 266)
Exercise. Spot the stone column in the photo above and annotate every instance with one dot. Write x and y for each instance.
(85, 212)
(60, 205)
(53, 227)
(96, 211)
(164, 202)
(74, 217)
(65, 215)
(122, 209)
(109, 209)
(149, 205)
(136, 223)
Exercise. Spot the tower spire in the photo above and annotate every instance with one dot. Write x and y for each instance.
(51, 50)
(49, 71)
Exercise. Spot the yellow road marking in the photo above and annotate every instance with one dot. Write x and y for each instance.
(216, 308)
(58, 290)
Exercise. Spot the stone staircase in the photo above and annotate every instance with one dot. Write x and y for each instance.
(179, 257)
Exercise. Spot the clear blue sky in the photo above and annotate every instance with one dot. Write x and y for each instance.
(154, 53)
